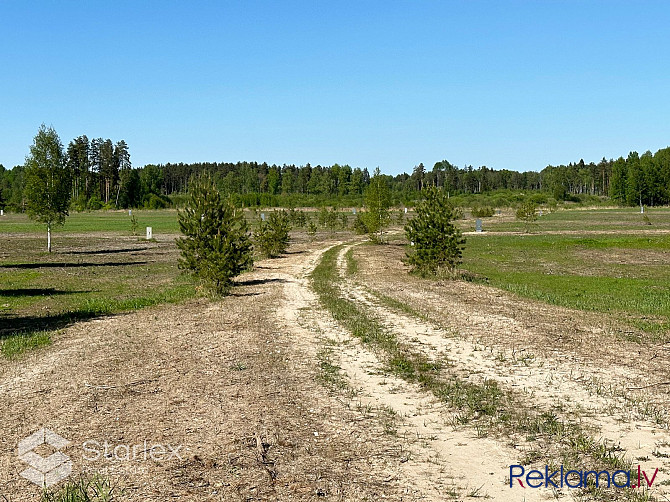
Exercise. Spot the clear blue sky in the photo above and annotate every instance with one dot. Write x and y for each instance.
(507, 84)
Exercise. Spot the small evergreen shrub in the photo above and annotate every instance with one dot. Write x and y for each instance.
(527, 212)
(378, 204)
(216, 245)
(344, 220)
(437, 242)
(272, 236)
(360, 227)
(482, 212)
(311, 229)
(297, 217)
(322, 217)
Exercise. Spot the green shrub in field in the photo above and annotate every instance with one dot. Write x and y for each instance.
(328, 217)
(311, 229)
(539, 198)
(378, 203)
(216, 245)
(559, 192)
(527, 212)
(80, 203)
(482, 212)
(94, 203)
(344, 220)
(156, 202)
(500, 201)
(297, 217)
(178, 200)
(272, 236)
(400, 216)
(360, 226)
(437, 244)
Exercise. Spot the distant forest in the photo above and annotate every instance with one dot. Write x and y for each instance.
(103, 177)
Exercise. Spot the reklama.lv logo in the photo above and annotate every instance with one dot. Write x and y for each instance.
(577, 479)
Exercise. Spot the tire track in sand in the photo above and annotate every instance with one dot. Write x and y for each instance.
(543, 380)
(442, 461)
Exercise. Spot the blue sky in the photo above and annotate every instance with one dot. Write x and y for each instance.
(507, 84)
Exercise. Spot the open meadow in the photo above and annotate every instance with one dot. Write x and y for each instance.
(330, 373)
(335, 251)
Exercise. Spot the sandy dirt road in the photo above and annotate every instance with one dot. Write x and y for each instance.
(222, 382)
(235, 387)
(572, 364)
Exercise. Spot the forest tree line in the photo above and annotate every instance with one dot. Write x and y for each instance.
(103, 176)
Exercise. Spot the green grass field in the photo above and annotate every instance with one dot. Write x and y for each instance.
(163, 221)
(602, 260)
(625, 271)
(97, 267)
(586, 220)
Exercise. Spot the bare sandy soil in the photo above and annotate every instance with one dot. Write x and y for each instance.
(571, 363)
(225, 382)
(236, 387)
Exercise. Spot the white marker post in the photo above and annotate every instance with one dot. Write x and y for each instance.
(2, 212)
(149, 233)
(263, 216)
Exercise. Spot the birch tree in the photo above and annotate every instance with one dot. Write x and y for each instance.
(48, 181)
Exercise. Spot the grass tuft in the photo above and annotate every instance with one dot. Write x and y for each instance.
(352, 264)
(17, 344)
(329, 373)
(95, 488)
